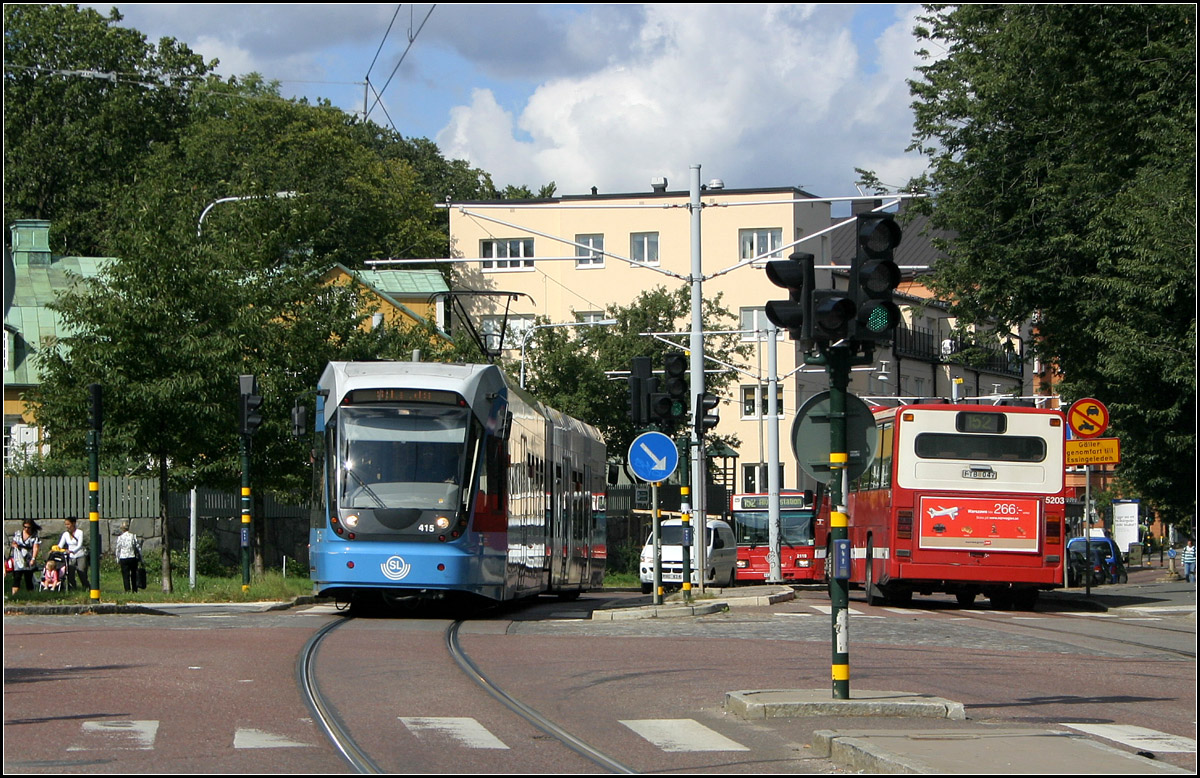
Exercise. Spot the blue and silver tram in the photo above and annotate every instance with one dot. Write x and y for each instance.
(441, 479)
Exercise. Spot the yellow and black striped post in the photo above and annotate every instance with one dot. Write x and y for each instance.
(839, 589)
(95, 414)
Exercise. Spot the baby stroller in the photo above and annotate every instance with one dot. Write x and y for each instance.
(61, 561)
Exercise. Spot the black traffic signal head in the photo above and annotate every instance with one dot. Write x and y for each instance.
(639, 391)
(797, 275)
(707, 415)
(675, 369)
(833, 311)
(249, 405)
(874, 276)
(95, 407)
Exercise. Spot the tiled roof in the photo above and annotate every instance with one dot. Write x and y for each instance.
(30, 320)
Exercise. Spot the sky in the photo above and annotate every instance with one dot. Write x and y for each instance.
(605, 96)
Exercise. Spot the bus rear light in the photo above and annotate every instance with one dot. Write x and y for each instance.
(742, 564)
(350, 565)
(904, 525)
(1053, 529)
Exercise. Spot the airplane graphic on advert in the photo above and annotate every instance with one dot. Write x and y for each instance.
(951, 512)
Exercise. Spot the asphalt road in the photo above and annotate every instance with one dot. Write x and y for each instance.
(214, 689)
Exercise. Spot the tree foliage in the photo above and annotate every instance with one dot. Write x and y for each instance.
(578, 370)
(84, 101)
(1062, 149)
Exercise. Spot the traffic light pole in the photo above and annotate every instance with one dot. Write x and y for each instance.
(93, 450)
(838, 360)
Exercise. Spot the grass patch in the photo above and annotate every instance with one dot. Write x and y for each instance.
(271, 585)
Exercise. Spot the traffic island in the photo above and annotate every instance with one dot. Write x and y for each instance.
(794, 703)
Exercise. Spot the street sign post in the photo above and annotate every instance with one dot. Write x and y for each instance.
(1093, 451)
(653, 457)
(1087, 418)
(810, 436)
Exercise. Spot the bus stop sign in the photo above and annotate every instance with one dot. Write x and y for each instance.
(810, 436)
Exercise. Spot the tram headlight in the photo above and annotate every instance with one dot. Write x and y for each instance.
(442, 522)
(351, 521)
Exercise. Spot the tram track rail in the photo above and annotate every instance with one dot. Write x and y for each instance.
(328, 720)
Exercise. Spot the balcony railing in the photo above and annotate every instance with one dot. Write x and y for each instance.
(923, 344)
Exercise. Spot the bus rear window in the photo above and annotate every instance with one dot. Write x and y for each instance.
(980, 448)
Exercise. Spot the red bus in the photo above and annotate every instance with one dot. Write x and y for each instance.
(961, 499)
(798, 519)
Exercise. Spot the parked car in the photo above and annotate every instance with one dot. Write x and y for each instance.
(1106, 564)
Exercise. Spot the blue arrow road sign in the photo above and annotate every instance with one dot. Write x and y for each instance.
(653, 456)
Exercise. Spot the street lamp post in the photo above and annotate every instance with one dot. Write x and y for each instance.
(528, 334)
(209, 207)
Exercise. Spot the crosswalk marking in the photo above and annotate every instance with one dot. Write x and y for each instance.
(118, 735)
(1139, 737)
(466, 731)
(257, 738)
(828, 609)
(675, 735)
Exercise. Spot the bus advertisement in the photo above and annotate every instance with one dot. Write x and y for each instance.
(960, 499)
(798, 522)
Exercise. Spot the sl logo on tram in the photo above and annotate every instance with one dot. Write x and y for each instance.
(395, 568)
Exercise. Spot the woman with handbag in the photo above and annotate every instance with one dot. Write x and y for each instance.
(26, 544)
(129, 556)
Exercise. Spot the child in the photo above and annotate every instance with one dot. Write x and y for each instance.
(51, 576)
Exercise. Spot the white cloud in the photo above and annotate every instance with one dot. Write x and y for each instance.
(758, 95)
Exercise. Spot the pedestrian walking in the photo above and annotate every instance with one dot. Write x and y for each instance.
(128, 551)
(1189, 562)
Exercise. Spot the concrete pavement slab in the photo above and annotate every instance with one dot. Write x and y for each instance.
(981, 750)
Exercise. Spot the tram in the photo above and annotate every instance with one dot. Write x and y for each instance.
(444, 480)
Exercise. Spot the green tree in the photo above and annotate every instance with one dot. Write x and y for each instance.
(571, 369)
(1062, 148)
(84, 101)
(169, 327)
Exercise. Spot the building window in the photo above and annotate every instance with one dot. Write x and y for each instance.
(753, 324)
(490, 327)
(763, 243)
(643, 247)
(506, 254)
(754, 477)
(590, 317)
(754, 400)
(589, 251)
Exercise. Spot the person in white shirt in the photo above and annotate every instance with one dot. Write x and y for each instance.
(127, 549)
(72, 542)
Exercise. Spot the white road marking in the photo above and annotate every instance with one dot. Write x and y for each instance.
(120, 735)
(1139, 737)
(682, 735)
(257, 738)
(828, 609)
(466, 731)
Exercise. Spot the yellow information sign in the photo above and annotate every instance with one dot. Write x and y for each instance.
(1093, 451)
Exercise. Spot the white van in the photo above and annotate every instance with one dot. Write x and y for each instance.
(720, 556)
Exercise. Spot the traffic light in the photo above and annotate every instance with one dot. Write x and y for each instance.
(796, 274)
(250, 404)
(676, 384)
(833, 310)
(95, 407)
(707, 415)
(874, 275)
(639, 391)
